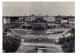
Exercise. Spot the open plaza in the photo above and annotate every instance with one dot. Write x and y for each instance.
(38, 33)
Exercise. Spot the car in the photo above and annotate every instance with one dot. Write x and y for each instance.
(40, 47)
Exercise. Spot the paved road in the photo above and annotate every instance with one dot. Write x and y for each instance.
(25, 47)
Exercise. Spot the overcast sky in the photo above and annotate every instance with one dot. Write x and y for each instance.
(43, 8)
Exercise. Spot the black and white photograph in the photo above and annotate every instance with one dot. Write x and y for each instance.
(38, 27)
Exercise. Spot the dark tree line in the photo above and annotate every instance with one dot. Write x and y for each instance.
(11, 44)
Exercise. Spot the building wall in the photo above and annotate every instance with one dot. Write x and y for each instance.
(71, 21)
(58, 20)
(50, 24)
(6, 20)
(33, 17)
(64, 21)
(19, 20)
(49, 18)
(27, 19)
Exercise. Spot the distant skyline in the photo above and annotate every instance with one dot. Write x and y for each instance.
(43, 8)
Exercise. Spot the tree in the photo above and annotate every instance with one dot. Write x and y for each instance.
(13, 19)
(71, 47)
(68, 43)
(62, 40)
(11, 44)
(73, 30)
(65, 46)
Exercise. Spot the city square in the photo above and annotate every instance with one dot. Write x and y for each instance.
(39, 33)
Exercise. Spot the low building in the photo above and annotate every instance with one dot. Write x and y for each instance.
(58, 19)
(71, 19)
(39, 24)
(64, 20)
(6, 20)
(49, 18)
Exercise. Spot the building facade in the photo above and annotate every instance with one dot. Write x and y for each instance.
(41, 22)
